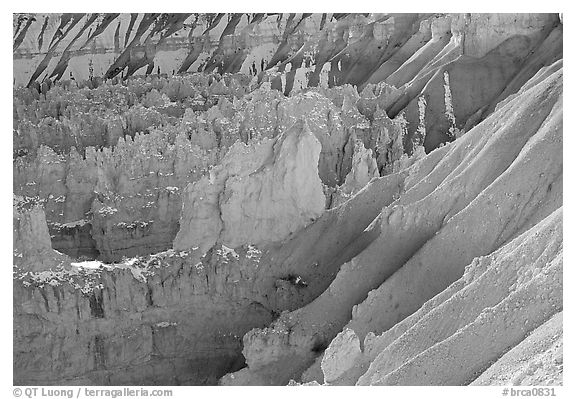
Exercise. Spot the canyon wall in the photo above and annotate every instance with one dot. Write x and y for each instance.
(265, 199)
(494, 184)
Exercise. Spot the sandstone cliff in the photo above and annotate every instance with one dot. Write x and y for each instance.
(265, 199)
(420, 243)
(255, 195)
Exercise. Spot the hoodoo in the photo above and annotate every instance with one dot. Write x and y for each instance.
(273, 199)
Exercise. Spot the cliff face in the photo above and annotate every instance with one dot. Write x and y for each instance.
(32, 250)
(123, 197)
(168, 319)
(461, 202)
(460, 63)
(339, 198)
(255, 195)
(400, 355)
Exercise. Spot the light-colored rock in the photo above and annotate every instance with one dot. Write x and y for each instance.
(433, 141)
(169, 318)
(364, 168)
(340, 355)
(424, 239)
(484, 32)
(489, 320)
(537, 360)
(256, 195)
(31, 240)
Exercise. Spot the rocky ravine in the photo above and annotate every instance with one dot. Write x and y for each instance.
(329, 198)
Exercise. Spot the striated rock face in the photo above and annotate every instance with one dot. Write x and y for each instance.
(543, 349)
(123, 197)
(480, 33)
(483, 54)
(255, 195)
(421, 242)
(364, 168)
(272, 199)
(141, 177)
(168, 319)
(32, 248)
(429, 336)
(80, 46)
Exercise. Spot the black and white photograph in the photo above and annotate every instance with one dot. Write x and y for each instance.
(286, 199)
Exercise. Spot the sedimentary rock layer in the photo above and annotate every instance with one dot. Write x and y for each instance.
(287, 198)
(485, 189)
